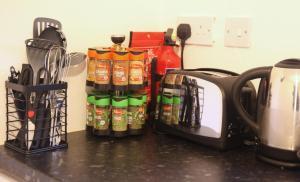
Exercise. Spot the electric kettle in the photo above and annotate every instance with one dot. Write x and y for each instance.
(277, 120)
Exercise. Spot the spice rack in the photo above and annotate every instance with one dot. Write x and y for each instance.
(116, 96)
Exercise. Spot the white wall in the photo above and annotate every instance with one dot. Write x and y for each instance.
(275, 34)
(85, 23)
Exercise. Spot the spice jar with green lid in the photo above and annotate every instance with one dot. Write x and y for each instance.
(157, 107)
(167, 105)
(176, 109)
(135, 114)
(119, 115)
(90, 113)
(102, 115)
(145, 108)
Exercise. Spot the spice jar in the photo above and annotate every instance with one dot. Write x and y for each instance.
(170, 80)
(144, 95)
(178, 81)
(135, 114)
(119, 115)
(175, 110)
(120, 70)
(103, 70)
(90, 113)
(136, 69)
(167, 104)
(147, 68)
(91, 67)
(102, 115)
(157, 107)
(145, 108)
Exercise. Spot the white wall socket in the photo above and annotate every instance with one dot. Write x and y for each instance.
(201, 27)
(237, 32)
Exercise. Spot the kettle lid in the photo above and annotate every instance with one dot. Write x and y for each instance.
(289, 63)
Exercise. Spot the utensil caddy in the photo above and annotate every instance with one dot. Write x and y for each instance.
(31, 129)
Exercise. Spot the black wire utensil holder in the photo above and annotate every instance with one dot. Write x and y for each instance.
(36, 124)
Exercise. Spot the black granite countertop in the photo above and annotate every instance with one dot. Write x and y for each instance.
(152, 157)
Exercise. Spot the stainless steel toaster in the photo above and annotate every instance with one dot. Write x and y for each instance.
(201, 107)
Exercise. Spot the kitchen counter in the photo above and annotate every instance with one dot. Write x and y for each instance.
(152, 157)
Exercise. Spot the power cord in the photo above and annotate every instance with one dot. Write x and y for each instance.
(183, 33)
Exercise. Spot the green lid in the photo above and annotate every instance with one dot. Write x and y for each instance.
(167, 99)
(176, 100)
(119, 101)
(135, 101)
(102, 100)
(158, 99)
(91, 99)
(145, 98)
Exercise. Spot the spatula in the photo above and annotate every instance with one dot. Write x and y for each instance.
(37, 50)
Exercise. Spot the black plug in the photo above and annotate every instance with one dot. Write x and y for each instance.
(183, 33)
(168, 37)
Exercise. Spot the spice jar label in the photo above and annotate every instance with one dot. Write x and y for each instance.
(119, 119)
(119, 75)
(136, 72)
(167, 114)
(135, 117)
(102, 73)
(101, 118)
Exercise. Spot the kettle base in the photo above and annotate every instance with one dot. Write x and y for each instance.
(278, 162)
(279, 157)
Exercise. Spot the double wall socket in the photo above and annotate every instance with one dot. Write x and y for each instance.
(237, 31)
(201, 27)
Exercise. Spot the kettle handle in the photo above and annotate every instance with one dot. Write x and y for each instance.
(214, 70)
(260, 72)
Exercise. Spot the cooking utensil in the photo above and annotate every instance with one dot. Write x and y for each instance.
(40, 23)
(56, 102)
(58, 126)
(13, 75)
(36, 50)
(46, 127)
(25, 78)
(54, 60)
(77, 63)
(277, 116)
(39, 108)
(57, 63)
(55, 35)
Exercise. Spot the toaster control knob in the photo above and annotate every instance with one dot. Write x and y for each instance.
(230, 131)
(298, 154)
